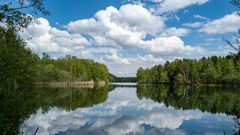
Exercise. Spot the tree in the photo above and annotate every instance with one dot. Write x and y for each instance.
(236, 44)
(209, 73)
(228, 67)
(194, 74)
(185, 70)
(164, 77)
(14, 16)
(179, 79)
(16, 62)
(236, 3)
(140, 75)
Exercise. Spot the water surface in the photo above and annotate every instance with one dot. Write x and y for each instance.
(121, 110)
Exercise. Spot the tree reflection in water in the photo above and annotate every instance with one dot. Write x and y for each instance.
(206, 98)
(18, 105)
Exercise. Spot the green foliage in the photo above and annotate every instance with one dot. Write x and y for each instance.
(213, 70)
(114, 78)
(13, 13)
(179, 79)
(205, 98)
(18, 65)
(69, 69)
(16, 62)
(163, 77)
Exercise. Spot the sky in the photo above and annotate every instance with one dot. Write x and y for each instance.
(129, 34)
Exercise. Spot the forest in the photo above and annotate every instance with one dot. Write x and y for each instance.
(20, 65)
(69, 68)
(212, 70)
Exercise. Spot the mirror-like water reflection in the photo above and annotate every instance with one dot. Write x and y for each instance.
(120, 110)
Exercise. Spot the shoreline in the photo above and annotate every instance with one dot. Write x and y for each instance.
(72, 84)
(192, 85)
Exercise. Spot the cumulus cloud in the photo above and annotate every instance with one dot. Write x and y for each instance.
(40, 36)
(117, 59)
(170, 46)
(139, 19)
(135, 61)
(228, 23)
(175, 32)
(128, 28)
(125, 27)
(89, 52)
(86, 26)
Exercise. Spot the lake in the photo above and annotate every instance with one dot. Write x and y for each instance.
(121, 109)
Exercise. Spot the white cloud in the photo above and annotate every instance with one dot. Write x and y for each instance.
(40, 36)
(125, 27)
(139, 18)
(150, 59)
(87, 26)
(228, 23)
(91, 52)
(174, 5)
(128, 27)
(193, 25)
(175, 32)
(135, 62)
(117, 59)
(170, 46)
(201, 17)
(174, 119)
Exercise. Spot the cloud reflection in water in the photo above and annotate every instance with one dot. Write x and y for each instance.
(123, 113)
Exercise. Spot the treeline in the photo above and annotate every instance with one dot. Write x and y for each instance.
(69, 68)
(114, 78)
(212, 70)
(19, 65)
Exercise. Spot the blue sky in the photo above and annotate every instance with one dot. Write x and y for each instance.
(129, 34)
(64, 11)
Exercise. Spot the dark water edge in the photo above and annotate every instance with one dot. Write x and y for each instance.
(17, 106)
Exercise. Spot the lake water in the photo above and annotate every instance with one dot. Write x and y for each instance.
(123, 109)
